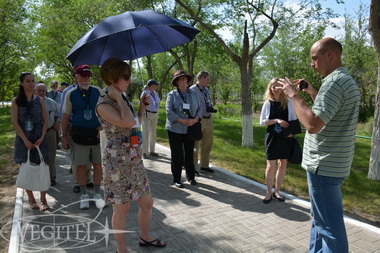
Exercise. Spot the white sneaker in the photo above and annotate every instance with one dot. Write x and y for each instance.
(96, 197)
(84, 203)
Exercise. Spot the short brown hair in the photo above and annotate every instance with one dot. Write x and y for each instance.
(113, 69)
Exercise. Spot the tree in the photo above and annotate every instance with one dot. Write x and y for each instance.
(14, 46)
(359, 57)
(61, 24)
(374, 30)
(248, 16)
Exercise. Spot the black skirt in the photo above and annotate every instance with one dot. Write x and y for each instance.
(277, 146)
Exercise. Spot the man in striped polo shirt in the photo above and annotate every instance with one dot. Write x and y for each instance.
(329, 142)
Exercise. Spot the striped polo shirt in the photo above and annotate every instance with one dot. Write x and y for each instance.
(331, 151)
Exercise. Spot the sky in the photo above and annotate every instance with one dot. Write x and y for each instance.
(350, 7)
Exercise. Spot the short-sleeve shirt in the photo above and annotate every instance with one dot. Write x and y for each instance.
(52, 110)
(331, 150)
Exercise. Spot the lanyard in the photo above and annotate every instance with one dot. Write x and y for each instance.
(129, 105)
(182, 95)
(153, 96)
(86, 96)
(29, 107)
(204, 93)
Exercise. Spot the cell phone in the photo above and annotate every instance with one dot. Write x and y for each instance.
(303, 85)
(147, 102)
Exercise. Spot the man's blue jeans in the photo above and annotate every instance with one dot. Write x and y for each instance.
(328, 232)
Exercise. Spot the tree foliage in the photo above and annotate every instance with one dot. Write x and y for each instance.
(14, 46)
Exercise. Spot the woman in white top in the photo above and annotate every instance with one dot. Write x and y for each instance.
(277, 111)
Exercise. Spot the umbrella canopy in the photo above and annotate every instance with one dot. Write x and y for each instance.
(129, 36)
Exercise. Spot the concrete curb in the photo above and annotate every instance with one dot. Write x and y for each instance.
(14, 241)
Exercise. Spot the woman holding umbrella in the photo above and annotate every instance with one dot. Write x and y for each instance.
(182, 110)
(125, 178)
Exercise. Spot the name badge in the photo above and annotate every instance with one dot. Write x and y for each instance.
(87, 114)
(28, 125)
(186, 106)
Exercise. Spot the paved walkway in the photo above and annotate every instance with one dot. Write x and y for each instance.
(223, 213)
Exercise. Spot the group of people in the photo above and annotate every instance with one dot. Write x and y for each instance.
(87, 110)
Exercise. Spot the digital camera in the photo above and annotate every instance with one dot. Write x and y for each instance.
(211, 109)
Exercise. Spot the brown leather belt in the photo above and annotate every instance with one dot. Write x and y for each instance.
(150, 111)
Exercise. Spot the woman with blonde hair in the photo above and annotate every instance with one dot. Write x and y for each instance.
(277, 111)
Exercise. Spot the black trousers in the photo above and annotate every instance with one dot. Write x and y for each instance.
(182, 152)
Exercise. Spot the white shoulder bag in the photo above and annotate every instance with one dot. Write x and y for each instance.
(32, 176)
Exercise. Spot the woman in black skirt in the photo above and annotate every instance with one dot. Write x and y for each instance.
(277, 111)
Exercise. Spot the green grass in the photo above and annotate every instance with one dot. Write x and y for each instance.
(7, 135)
(361, 196)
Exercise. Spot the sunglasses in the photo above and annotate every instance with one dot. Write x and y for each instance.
(126, 77)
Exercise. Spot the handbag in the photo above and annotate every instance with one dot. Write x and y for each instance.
(85, 136)
(194, 132)
(293, 128)
(295, 153)
(34, 177)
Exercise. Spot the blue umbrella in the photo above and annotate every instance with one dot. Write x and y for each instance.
(129, 36)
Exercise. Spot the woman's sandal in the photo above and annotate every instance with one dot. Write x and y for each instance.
(44, 207)
(154, 243)
(33, 205)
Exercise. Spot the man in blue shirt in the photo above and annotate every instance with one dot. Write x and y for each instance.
(80, 103)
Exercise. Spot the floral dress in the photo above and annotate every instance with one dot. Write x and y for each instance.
(124, 173)
(31, 112)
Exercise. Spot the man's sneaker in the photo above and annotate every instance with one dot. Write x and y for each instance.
(96, 197)
(84, 203)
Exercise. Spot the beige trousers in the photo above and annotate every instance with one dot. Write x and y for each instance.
(149, 127)
(205, 145)
(51, 135)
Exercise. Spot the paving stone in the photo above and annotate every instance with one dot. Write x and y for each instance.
(222, 214)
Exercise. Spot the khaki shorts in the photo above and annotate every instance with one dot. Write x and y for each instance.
(83, 154)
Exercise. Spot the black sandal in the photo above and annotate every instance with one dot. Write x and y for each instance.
(154, 243)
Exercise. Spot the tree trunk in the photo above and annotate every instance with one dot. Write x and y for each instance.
(374, 29)
(247, 126)
(149, 68)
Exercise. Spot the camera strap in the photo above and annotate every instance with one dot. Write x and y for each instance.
(206, 95)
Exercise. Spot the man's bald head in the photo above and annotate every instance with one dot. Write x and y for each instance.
(40, 89)
(326, 44)
(326, 56)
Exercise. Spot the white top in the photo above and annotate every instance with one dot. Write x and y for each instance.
(265, 112)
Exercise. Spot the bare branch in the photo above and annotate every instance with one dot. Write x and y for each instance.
(235, 57)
